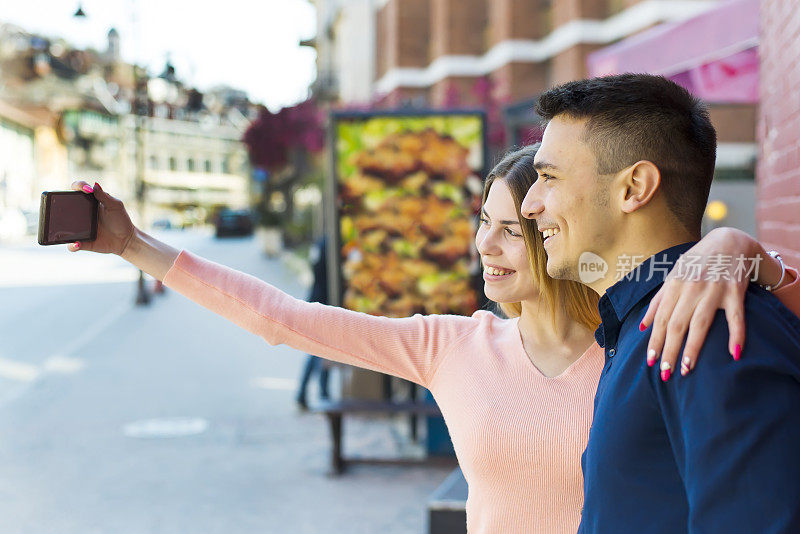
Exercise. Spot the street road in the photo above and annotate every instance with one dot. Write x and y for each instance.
(167, 418)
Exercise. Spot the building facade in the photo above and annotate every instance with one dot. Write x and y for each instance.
(68, 115)
(190, 166)
(17, 170)
(429, 48)
(501, 54)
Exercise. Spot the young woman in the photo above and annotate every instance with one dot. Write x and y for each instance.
(516, 393)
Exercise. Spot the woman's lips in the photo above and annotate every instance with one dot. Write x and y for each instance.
(489, 277)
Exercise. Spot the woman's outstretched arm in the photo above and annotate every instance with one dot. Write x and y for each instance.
(411, 348)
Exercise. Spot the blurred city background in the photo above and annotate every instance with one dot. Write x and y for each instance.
(125, 408)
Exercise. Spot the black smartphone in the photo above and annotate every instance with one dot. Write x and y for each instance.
(66, 217)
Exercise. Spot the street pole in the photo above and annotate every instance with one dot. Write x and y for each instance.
(140, 110)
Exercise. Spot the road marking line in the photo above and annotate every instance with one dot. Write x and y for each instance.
(18, 371)
(61, 362)
(271, 382)
(170, 427)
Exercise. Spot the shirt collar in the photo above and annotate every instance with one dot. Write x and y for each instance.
(620, 298)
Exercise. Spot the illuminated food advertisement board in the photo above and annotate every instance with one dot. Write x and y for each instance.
(407, 189)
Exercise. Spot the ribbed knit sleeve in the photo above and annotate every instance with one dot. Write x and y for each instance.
(410, 348)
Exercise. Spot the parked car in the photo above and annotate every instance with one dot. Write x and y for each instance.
(234, 223)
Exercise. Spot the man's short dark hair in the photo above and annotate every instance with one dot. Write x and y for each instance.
(634, 117)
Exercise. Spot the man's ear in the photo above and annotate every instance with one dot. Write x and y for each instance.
(639, 185)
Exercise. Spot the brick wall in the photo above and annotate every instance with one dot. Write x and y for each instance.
(414, 32)
(778, 172)
(454, 91)
(519, 81)
(564, 11)
(383, 31)
(570, 64)
(402, 35)
(458, 27)
(515, 19)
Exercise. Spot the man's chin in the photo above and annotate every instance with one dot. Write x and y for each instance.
(559, 270)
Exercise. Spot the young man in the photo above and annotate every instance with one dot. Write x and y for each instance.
(625, 169)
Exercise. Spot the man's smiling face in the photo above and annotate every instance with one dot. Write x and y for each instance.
(569, 199)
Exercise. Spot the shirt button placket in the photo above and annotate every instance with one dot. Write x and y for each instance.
(609, 358)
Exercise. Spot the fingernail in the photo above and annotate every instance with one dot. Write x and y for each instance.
(737, 352)
(686, 365)
(77, 244)
(96, 186)
(88, 188)
(651, 357)
(666, 371)
(642, 327)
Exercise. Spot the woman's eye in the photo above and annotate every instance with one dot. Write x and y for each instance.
(546, 177)
(513, 233)
(483, 221)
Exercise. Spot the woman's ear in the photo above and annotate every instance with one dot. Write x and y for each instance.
(640, 183)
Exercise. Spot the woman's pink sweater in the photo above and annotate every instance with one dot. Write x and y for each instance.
(518, 435)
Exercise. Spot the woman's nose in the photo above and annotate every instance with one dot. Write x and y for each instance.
(487, 244)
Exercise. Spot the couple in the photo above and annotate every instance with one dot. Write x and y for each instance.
(624, 170)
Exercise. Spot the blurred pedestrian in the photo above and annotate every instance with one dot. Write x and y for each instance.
(319, 293)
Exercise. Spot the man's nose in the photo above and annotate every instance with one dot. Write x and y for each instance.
(531, 204)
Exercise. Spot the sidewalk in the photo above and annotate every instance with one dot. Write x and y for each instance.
(258, 466)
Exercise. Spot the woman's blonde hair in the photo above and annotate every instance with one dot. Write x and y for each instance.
(577, 300)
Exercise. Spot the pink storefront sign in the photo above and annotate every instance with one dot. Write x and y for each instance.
(714, 55)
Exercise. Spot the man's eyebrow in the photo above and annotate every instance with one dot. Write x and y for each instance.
(506, 223)
(543, 165)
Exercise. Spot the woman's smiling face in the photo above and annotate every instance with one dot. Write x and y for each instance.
(506, 267)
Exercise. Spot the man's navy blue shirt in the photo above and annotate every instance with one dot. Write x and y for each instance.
(715, 451)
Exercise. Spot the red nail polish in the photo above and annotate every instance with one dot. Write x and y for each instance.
(96, 186)
(642, 327)
(737, 352)
(77, 244)
(665, 374)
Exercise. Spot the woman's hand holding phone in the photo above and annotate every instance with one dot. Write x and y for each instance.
(116, 234)
(114, 227)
